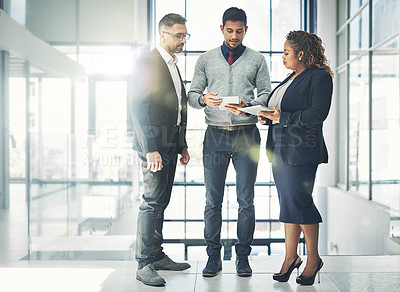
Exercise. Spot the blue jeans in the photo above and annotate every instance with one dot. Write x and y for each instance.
(243, 148)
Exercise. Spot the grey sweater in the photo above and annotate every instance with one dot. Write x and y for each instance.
(248, 78)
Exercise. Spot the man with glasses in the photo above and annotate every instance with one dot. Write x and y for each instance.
(159, 113)
(230, 70)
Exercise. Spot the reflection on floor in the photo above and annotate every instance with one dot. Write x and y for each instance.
(340, 273)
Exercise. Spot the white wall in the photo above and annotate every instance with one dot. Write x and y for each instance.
(357, 226)
(326, 175)
(326, 30)
(99, 20)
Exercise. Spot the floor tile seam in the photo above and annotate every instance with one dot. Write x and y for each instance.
(366, 272)
(195, 278)
(333, 282)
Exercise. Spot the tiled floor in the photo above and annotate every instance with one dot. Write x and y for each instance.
(340, 273)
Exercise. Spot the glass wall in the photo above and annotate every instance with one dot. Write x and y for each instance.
(358, 125)
(84, 177)
(385, 132)
(369, 132)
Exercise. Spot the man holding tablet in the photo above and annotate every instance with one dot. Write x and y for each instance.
(230, 72)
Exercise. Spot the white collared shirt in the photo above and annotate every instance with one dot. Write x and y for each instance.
(173, 70)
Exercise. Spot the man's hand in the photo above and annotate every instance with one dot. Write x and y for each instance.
(234, 108)
(211, 99)
(274, 116)
(154, 161)
(185, 157)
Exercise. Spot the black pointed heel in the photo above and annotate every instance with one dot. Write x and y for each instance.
(284, 277)
(303, 280)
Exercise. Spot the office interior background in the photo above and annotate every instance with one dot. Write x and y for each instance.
(67, 170)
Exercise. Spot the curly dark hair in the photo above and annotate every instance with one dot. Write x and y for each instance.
(312, 47)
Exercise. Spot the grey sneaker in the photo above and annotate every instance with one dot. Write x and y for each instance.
(149, 276)
(167, 264)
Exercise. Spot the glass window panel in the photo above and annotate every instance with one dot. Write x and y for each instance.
(178, 203)
(342, 12)
(285, 18)
(342, 47)
(54, 105)
(386, 19)
(358, 126)
(278, 71)
(50, 100)
(385, 125)
(230, 205)
(194, 170)
(81, 122)
(18, 11)
(173, 230)
(359, 34)
(164, 7)
(17, 127)
(196, 253)
(257, 36)
(208, 35)
(106, 59)
(355, 5)
(264, 167)
(186, 66)
(194, 230)
(110, 153)
(49, 212)
(195, 202)
(274, 203)
(261, 202)
(342, 147)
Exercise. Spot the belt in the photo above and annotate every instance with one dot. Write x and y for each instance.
(231, 128)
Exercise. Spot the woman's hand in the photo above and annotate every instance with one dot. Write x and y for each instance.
(273, 116)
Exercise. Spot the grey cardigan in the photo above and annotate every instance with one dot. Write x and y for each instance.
(248, 78)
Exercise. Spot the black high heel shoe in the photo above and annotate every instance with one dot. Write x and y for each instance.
(284, 277)
(303, 280)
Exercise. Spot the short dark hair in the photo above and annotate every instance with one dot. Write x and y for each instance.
(234, 14)
(170, 19)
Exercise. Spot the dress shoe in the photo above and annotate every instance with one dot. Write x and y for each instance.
(149, 276)
(303, 280)
(167, 264)
(284, 277)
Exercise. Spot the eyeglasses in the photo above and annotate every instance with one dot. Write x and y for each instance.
(179, 36)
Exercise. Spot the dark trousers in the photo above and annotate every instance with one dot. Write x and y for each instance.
(243, 148)
(157, 194)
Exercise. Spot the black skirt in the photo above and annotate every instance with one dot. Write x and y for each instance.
(295, 185)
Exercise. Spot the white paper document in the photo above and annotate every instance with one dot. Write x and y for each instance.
(228, 99)
(255, 109)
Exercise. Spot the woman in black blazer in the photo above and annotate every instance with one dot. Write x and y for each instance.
(295, 146)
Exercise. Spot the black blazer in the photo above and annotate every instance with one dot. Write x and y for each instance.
(154, 106)
(305, 105)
